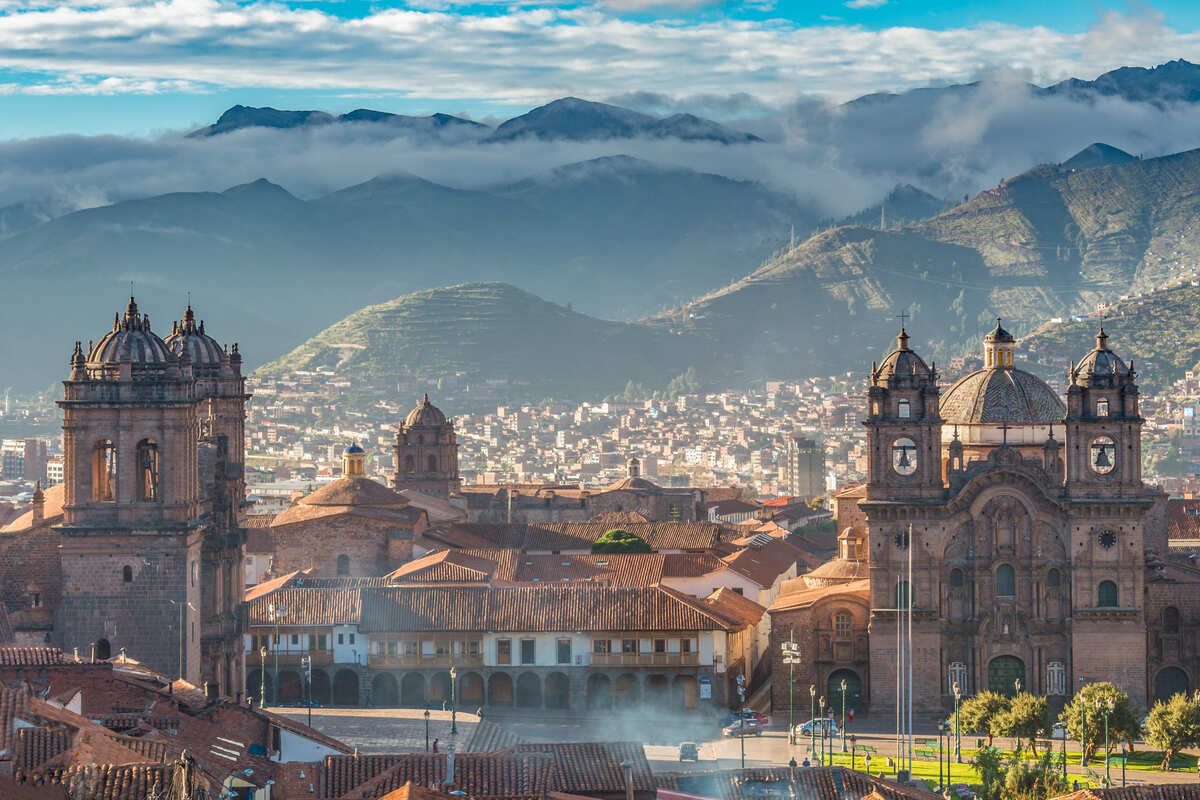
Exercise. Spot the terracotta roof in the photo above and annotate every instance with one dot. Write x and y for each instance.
(585, 767)
(811, 783)
(439, 510)
(766, 562)
(1165, 791)
(11, 789)
(502, 774)
(795, 594)
(580, 535)
(31, 656)
(838, 570)
(411, 791)
(735, 607)
(690, 565)
(487, 736)
(52, 511)
(1001, 394)
(450, 566)
(251, 521)
(304, 606)
(614, 569)
(354, 491)
(33, 747)
(266, 587)
(106, 781)
(638, 484)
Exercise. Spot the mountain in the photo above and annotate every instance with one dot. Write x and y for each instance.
(490, 332)
(904, 204)
(1173, 82)
(1048, 243)
(617, 236)
(1098, 154)
(573, 119)
(241, 117)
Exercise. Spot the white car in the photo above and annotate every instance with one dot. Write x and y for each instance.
(826, 725)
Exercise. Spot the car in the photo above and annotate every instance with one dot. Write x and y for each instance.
(689, 751)
(743, 727)
(1058, 731)
(747, 713)
(820, 726)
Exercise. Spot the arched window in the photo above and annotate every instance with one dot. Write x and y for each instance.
(410, 464)
(841, 624)
(1006, 581)
(956, 578)
(104, 472)
(1106, 595)
(103, 649)
(1170, 619)
(431, 464)
(902, 594)
(1102, 408)
(147, 459)
(903, 410)
(1053, 579)
(343, 565)
(127, 574)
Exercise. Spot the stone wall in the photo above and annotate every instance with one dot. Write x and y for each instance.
(318, 543)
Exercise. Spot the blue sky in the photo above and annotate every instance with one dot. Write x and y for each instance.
(146, 66)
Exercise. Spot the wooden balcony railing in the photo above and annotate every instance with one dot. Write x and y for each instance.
(290, 658)
(645, 659)
(419, 661)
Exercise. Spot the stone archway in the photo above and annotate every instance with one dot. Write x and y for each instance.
(470, 689)
(657, 691)
(529, 690)
(320, 690)
(558, 691)
(291, 688)
(833, 689)
(384, 692)
(345, 688)
(412, 689)
(500, 689)
(1003, 672)
(599, 691)
(627, 692)
(439, 689)
(1169, 682)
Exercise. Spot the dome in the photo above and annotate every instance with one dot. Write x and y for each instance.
(425, 415)
(902, 364)
(131, 340)
(1001, 395)
(354, 448)
(187, 337)
(1101, 366)
(998, 334)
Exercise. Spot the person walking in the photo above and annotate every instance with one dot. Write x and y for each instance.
(435, 741)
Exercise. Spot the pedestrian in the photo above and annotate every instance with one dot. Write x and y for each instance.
(807, 763)
(792, 763)
(435, 741)
(445, 706)
(479, 713)
(1075, 786)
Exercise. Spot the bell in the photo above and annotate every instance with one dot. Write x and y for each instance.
(1102, 459)
(903, 462)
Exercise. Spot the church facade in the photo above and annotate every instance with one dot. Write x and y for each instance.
(1031, 531)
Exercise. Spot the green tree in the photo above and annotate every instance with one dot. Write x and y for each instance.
(976, 713)
(1174, 725)
(991, 769)
(1122, 721)
(620, 541)
(1025, 718)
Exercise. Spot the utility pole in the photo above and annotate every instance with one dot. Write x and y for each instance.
(791, 655)
(741, 690)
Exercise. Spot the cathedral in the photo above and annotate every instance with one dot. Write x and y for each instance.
(1036, 549)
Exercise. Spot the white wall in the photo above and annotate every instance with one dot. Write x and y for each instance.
(546, 649)
(704, 585)
(348, 645)
(294, 747)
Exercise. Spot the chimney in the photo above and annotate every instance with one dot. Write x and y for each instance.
(39, 505)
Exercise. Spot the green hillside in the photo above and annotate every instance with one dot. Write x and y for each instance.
(491, 332)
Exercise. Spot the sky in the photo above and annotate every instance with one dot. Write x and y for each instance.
(144, 67)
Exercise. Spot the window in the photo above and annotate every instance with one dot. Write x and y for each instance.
(391, 647)
(322, 641)
(957, 674)
(528, 651)
(352, 638)
(686, 646)
(1106, 595)
(1053, 579)
(147, 459)
(601, 646)
(431, 464)
(564, 651)
(104, 472)
(904, 456)
(295, 638)
(1170, 619)
(903, 411)
(660, 645)
(341, 638)
(1006, 581)
(1101, 408)
(410, 465)
(1056, 678)
(343, 565)
(127, 574)
(195, 572)
(504, 651)
(956, 578)
(473, 648)
(841, 624)
(629, 646)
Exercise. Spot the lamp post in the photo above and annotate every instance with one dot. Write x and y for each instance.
(453, 702)
(1124, 757)
(426, 726)
(306, 665)
(1106, 707)
(1064, 755)
(791, 656)
(741, 690)
(262, 686)
(812, 720)
(957, 740)
(1083, 718)
(941, 726)
(276, 615)
(853, 750)
(182, 634)
(824, 731)
(843, 715)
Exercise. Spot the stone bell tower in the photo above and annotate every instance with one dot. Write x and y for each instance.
(427, 452)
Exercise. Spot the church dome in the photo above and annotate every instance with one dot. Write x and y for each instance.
(425, 415)
(131, 340)
(1001, 395)
(902, 365)
(352, 449)
(1101, 367)
(188, 337)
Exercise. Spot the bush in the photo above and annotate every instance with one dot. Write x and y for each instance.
(620, 541)
(1174, 725)
(978, 713)
(1122, 722)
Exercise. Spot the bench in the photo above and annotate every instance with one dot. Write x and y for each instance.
(866, 748)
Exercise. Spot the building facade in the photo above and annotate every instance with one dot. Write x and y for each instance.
(805, 467)
(426, 452)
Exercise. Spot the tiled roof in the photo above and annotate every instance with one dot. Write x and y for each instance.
(690, 565)
(615, 569)
(487, 736)
(764, 563)
(304, 606)
(52, 503)
(451, 566)
(996, 395)
(735, 607)
(252, 521)
(584, 767)
(811, 783)
(501, 774)
(31, 656)
(795, 594)
(579, 535)
(1166, 791)
(354, 491)
(105, 781)
(33, 747)
(411, 791)
(266, 587)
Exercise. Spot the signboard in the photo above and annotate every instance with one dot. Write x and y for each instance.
(706, 688)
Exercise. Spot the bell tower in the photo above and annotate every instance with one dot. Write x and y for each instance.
(903, 427)
(427, 452)
(1103, 425)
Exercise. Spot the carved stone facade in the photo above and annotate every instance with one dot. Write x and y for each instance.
(427, 452)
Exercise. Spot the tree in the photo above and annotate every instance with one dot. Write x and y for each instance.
(975, 714)
(620, 541)
(1122, 721)
(1174, 725)
(1025, 718)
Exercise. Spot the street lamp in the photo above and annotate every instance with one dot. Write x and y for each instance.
(843, 715)
(791, 656)
(1083, 717)
(853, 750)
(453, 702)
(276, 615)
(306, 665)
(741, 690)
(426, 726)
(812, 720)
(957, 740)
(824, 730)
(941, 730)
(262, 686)
(1106, 707)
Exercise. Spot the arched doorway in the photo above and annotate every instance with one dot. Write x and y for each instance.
(470, 689)
(412, 689)
(599, 692)
(1004, 672)
(685, 692)
(626, 693)
(345, 688)
(103, 650)
(260, 686)
(290, 686)
(320, 690)
(657, 690)
(833, 689)
(558, 691)
(384, 692)
(500, 689)
(1169, 682)
(529, 690)
(439, 689)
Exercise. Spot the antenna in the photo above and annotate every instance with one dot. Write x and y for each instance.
(902, 316)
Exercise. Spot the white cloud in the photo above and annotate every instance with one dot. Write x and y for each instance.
(865, 3)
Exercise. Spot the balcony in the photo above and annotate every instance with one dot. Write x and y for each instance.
(645, 659)
(290, 658)
(444, 661)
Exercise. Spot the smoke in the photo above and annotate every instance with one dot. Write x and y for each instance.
(840, 158)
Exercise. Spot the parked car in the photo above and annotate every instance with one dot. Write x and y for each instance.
(746, 713)
(744, 727)
(824, 725)
(1058, 731)
(689, 751)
